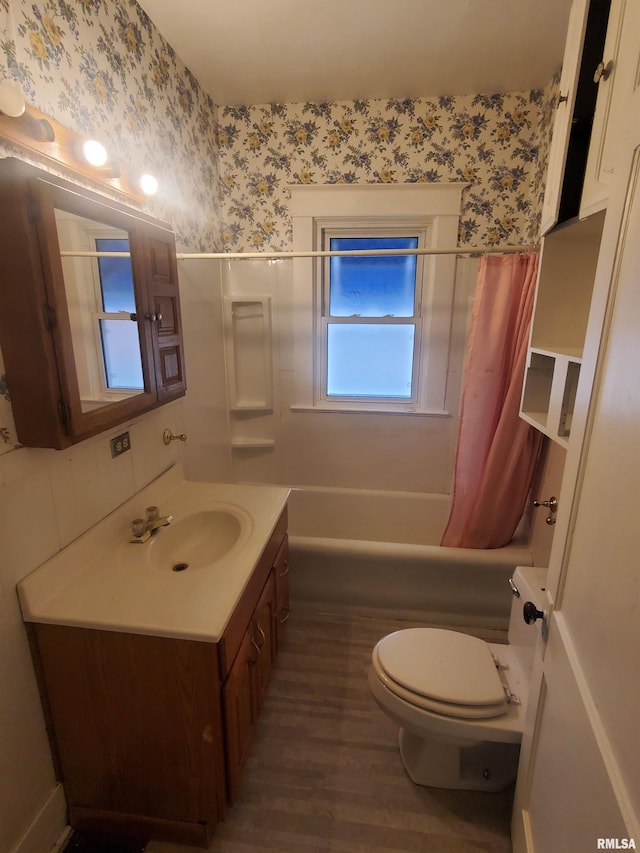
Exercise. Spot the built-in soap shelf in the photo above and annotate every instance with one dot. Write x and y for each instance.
(248, 353)
(239, 443)
(249, 369)
(548, 399)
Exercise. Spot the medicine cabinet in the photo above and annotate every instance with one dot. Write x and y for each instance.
(90, 340)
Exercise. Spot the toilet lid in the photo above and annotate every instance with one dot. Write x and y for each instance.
(444, 666)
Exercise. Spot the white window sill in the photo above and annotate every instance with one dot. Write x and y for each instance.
(372, 409)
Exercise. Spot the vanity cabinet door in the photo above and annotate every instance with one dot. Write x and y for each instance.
(281, 573)
(246, 685)
(137, 730)
(238, 712)
(164, 315)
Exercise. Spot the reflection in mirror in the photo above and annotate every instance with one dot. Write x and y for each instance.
(101, 303)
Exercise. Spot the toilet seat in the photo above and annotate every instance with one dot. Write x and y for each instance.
(442, 671)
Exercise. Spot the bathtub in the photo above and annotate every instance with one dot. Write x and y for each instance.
(375, 550)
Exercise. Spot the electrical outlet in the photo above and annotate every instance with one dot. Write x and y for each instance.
(120, 444)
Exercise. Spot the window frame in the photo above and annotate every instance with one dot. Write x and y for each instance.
(328, 229)
(432, 207)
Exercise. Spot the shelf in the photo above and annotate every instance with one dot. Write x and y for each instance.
(563, 300)
(573, 354)
(248, 443)
(565, 283)
(549, 393)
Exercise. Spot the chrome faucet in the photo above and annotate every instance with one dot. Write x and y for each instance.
(143, 528)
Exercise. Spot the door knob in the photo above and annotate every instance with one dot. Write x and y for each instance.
(552, 504)
(530, 613)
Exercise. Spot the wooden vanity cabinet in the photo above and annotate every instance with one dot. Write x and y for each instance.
(150, 734)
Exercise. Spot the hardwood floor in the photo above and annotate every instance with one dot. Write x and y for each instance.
(325, 772)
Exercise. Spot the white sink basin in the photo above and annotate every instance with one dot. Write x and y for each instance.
(196, 540)
(103, 581)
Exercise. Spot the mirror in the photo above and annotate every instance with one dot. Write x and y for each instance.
(104, 333)
(101, 304)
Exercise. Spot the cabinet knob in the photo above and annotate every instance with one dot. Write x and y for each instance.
(603, 72)
(562, 99)
(153, 318)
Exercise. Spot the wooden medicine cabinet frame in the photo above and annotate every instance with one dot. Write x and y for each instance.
(35, 315)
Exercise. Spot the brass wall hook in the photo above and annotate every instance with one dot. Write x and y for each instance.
(168, 437)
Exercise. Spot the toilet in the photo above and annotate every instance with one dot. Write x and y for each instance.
(459, 701)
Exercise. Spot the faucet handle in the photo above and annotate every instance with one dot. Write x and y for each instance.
(138, 527)
(152, 513)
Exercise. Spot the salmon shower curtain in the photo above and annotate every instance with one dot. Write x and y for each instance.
(497, 450)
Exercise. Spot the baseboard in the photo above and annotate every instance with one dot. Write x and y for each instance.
(48, 830)
(521, 832)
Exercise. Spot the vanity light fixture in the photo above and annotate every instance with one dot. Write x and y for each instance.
(148, 184)
(52, 142)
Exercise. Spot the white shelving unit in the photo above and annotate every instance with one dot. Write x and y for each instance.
(561, 313)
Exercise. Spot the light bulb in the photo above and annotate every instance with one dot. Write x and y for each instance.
(95, 153)
(12, 102)
(148, 184)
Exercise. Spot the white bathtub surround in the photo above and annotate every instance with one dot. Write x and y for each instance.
(354, 548)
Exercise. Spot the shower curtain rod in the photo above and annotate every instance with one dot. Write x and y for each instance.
(245, 256)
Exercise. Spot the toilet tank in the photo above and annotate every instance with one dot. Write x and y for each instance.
(530, 581)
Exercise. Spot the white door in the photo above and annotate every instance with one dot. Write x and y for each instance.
(578, 788)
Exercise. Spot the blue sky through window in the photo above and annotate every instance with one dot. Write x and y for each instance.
(373, 286)
(116, 278)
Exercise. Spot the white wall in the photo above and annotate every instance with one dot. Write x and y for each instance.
(47, 499)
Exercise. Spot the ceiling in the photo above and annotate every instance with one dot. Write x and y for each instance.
(286, 51)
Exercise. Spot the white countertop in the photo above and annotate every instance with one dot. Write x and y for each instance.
(103, 581)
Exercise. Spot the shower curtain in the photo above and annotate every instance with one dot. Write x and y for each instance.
(497, 451)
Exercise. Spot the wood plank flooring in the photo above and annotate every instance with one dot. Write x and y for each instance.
(325, 773)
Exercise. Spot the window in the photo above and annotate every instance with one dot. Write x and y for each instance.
(370, 321)
(119, 346)
(372, 333)
(100, 297)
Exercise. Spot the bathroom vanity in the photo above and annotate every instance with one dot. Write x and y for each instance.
(153, 675)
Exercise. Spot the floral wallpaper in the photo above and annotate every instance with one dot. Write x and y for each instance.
(498, 143)
(101, 67)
